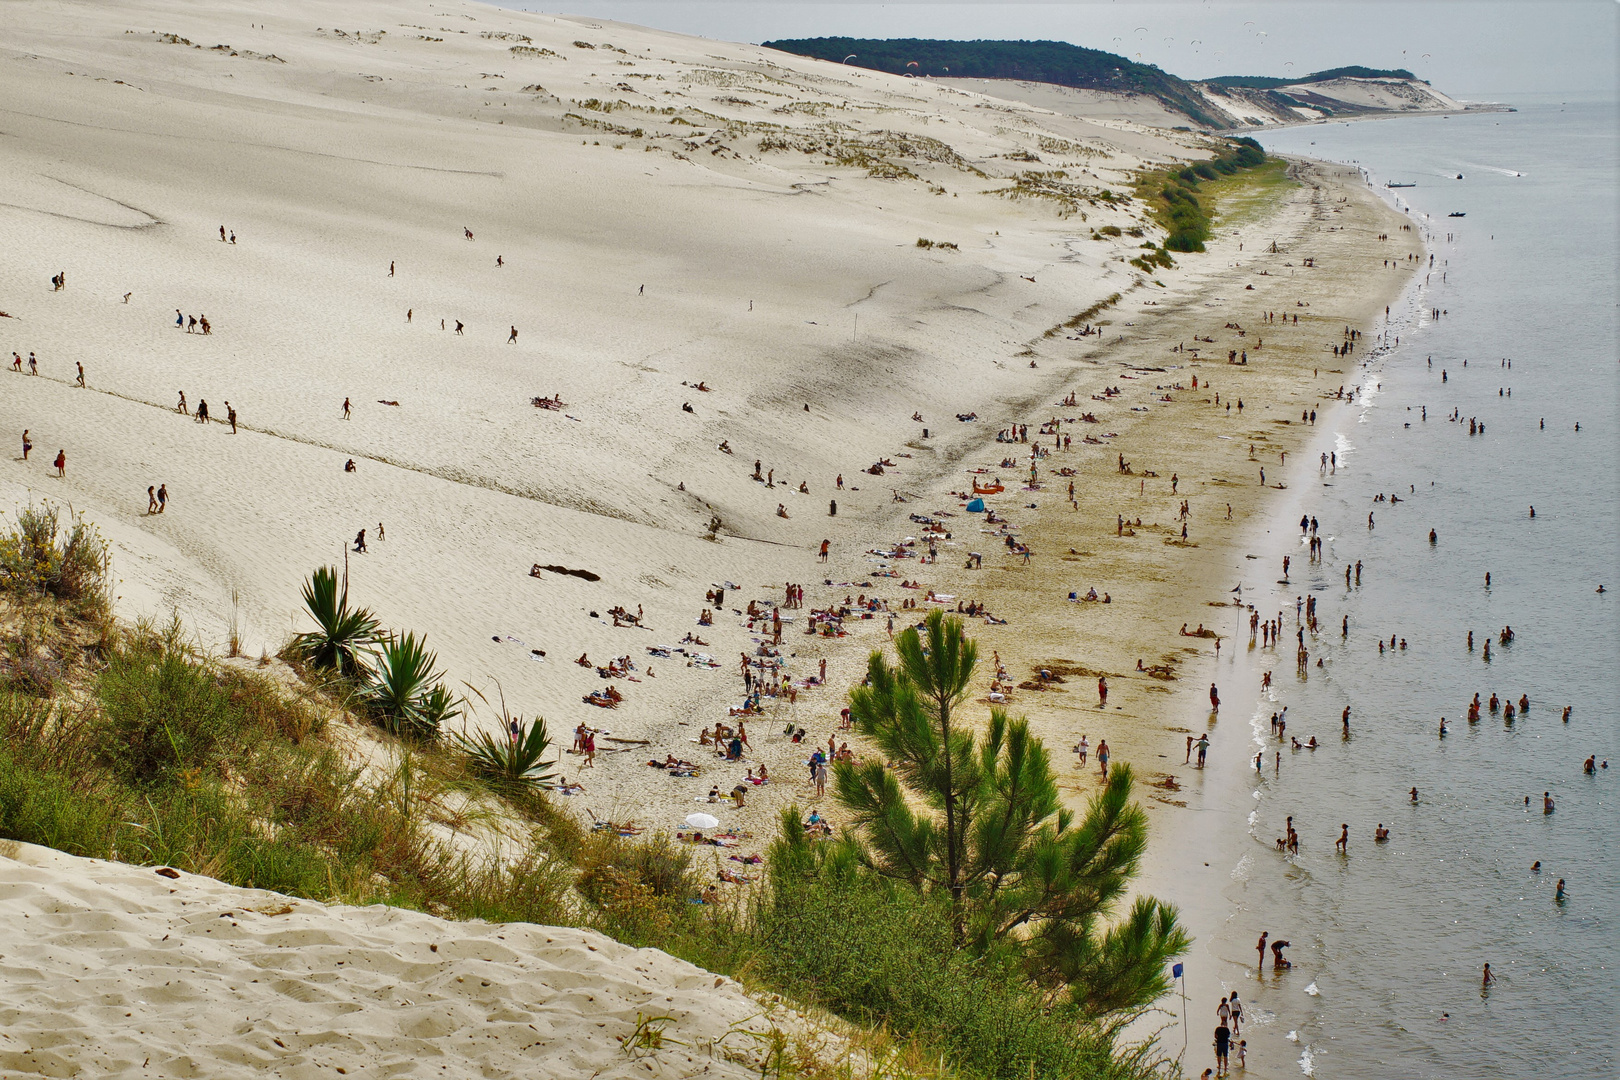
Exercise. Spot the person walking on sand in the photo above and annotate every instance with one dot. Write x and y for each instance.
(33, 364)
(1102, 757)
(825, 544)
(1102, 691)
(16, 362)
(511, 339)
(151, 500)
(181, 408)
(163, 497)
(360, 541)
(179, 319)
(346, 408)
(81, 373)
(230, 415)
(459, 327)
(408, 313)
(390, 267)
(588, 743)
(27, 446)
(202, 410)
(61, 463)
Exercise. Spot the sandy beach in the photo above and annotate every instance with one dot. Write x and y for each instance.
(682, 245)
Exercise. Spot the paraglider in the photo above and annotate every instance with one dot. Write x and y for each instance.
(848, 58)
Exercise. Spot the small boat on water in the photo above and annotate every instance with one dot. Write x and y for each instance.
(1456, 213)
(1393, 184)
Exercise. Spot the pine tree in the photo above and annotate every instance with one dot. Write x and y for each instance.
(979, 819)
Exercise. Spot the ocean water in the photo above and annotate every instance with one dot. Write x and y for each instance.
(1389, 940)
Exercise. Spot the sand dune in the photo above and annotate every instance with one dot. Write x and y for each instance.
(632, 264)
(667, 211)
(776, 277)
(113, 970)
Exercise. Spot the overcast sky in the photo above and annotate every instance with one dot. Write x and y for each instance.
(1473, 49)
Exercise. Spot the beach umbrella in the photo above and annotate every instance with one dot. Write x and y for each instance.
(703, 821)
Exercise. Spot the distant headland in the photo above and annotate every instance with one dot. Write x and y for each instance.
(1057, 74)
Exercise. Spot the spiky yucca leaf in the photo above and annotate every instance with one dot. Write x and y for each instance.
(506, 761)
(344, 635)
(403, 690)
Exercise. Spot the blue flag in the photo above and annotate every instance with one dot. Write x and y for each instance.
(1175, 971)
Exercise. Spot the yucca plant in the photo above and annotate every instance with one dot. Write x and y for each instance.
(345, 635)
(403, 690)
(437, 707)
(509, 762)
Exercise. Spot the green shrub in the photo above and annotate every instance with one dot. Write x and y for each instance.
(37, 557)
(53, 810)
(164, 712)
(885, 957)
(1175, 202)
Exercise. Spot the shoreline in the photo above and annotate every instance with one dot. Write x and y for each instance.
(1468, 109)
(1221, 833)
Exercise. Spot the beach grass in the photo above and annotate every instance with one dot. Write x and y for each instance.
(140, 747)
(1251, 195)
(1178, 201)
(153, 753)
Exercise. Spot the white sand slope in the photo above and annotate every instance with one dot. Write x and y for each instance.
(775, 276)
(111, 970)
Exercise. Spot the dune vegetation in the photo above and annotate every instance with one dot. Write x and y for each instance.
(964, 913)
